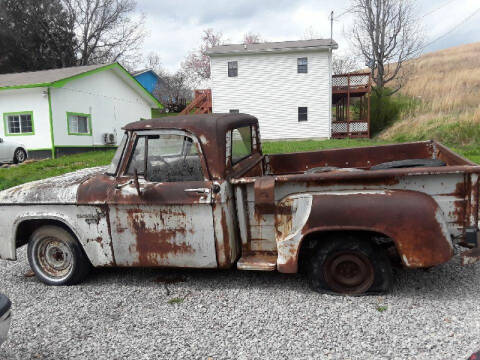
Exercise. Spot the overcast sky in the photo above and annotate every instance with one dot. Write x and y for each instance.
(175, 26)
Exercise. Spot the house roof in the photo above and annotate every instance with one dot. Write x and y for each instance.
(59, 77)
(282, 46)
(44, 76)
(140, 72)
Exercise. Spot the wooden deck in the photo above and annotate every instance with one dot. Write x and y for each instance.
(351, 105)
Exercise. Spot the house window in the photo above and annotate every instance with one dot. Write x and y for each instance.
(20, 123)
(232, 68)
(234, 111)
(79, 124)
(302, 65)
(302, 114)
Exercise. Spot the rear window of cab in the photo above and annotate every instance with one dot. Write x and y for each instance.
(241, 143)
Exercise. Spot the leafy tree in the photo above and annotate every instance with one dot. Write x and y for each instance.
(35, 35)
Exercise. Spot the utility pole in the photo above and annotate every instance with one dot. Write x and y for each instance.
(331, 27)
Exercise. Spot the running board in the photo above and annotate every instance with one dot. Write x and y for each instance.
(258, 261)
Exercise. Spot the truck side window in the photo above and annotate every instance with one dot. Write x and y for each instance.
(137, 161)
(170, 158)
(241, 143)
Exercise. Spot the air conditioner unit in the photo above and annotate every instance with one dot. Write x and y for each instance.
(109, 139)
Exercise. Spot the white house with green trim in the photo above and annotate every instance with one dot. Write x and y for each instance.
(61, 111)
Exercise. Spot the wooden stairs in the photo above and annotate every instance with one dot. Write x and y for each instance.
(201, 104)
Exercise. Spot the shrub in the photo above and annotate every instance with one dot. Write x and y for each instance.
(385, 109)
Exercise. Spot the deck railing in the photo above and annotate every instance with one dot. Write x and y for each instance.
(352, 82)
(351, 105)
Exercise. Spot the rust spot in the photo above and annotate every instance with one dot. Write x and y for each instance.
(408, 217)
(153, 243)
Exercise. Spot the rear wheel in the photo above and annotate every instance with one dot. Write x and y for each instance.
(19, 156)
(56, 257)
(347, 265)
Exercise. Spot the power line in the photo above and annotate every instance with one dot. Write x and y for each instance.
(343, 13)
(436, 9)
(452, 29)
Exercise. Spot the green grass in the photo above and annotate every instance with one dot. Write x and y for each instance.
(47, 168)
(272, 147)
(382, 308)
(52, 167)
(176, 300)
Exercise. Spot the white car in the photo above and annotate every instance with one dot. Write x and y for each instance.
(5, 317)
(11, 151)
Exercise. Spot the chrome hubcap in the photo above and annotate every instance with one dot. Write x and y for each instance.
(20, 156)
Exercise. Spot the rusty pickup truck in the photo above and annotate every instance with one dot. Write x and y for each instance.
(196, 191)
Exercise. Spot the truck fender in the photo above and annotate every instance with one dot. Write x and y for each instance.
(98, 250)
(413, 220)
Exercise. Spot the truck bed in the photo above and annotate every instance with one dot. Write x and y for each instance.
(275, 208)
(361, 157)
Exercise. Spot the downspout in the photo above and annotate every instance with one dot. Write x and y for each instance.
(52, 137)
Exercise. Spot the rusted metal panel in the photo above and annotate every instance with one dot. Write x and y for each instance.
(226, 226)
(265, 195)
(242, 214)
(471, 256)
(163, 235)
(56, 190)
(88, 223)
(260, 261)
(412, 219)
(362, 157)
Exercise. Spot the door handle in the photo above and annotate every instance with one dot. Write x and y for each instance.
(119, 186)
(198, 190)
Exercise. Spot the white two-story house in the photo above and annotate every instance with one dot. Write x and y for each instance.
(286, 85)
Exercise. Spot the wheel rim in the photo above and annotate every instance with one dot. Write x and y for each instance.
(349, 272)
(54, 258)
(20, 156)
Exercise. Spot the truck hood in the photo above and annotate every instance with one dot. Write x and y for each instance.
(56, 190)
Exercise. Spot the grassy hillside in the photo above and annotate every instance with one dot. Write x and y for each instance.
(447, 85)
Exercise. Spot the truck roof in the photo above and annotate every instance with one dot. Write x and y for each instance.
(209, 128)
(204, 122)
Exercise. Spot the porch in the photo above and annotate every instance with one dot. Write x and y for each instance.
(351, 105)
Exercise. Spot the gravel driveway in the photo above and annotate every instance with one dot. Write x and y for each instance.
(162, 314)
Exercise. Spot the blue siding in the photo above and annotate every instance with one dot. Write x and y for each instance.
(148, 80)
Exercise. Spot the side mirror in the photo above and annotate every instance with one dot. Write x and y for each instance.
(137, 184)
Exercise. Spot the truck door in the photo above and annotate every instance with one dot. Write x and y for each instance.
(161, 209)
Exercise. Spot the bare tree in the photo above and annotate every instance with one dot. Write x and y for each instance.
(310, 33)
(386, 33)
(197, 64)
(106, 30)
(344, 64)
(252, 38)
(172, 90)
(154, 62)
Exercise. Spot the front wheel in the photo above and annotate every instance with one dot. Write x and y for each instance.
(56, 257)
(351, 266)
(19, 156)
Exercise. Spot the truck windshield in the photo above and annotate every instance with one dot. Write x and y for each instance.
(112, 169)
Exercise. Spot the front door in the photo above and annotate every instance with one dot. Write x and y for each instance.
(165, 218)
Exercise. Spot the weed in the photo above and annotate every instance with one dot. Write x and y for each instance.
(177, 300)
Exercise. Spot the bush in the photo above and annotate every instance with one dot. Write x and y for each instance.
(385, 109)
